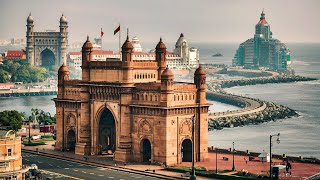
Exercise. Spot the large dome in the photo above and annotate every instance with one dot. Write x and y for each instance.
(181, 40)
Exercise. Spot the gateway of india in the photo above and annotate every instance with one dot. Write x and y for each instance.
(132, 109)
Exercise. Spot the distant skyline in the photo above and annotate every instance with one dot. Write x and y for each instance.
(200, 21)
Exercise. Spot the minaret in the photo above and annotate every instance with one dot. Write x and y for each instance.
(86, 58)
(63, 75)
(167, 80)
(63, 40)
(30, 41)
(127, 61)
(161, 51)
(200, 82)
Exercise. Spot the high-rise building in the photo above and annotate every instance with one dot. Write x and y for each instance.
(263, 51)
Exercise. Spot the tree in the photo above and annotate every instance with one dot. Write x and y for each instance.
(11, 118)
(4, 76)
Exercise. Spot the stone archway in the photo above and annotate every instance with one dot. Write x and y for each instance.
(107, 132)
(146, 150)
(47, 59)
(186, 150)
(71, 140)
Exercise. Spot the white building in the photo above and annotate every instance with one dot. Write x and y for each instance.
(182, 56)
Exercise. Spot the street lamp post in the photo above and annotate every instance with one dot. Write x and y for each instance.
(278, 141)
(216, 160)
(233, 168)
(29, 139)
(193, 174)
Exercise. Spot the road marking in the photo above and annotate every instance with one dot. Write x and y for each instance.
(111, 177)
(100, 175)
(50, 165)
(39, 162)
(27, 159)
(75, 170)
(91, 173)
(69, 165)
(58, 174)
(84, 172)
(59, 166)
(66, 168)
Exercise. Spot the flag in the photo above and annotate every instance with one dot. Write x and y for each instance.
(117, 30)
(102, 33)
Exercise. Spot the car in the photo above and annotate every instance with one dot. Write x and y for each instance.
(33, 166)
(35, 137)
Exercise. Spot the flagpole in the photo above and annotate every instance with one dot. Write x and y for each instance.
(101, 37)
(120, 42)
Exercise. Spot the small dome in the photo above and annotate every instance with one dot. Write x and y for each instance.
(63, 19)
(167, 73)
(87, 44)
(161, 45)
(127, 44)
(136, 44)
(30, 19)
(200, 71)
(63, 69)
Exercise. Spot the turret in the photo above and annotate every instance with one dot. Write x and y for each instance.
(161, 51)
(200, 82)
(127, 52)
(63, 75)
(167, 80)
(29, 41)
(86, 58)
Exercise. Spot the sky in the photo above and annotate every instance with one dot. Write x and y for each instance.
(205, 21)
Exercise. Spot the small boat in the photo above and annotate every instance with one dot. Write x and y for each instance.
(217, 55)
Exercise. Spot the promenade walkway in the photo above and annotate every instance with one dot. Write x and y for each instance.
(299, 170)
(108, 161)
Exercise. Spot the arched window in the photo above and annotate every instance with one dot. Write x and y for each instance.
(151, 98)
(146, 98)
(174, 97)
(156, 98)
(137, 96)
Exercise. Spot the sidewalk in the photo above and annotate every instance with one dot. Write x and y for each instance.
(107, 160)
(299, 170)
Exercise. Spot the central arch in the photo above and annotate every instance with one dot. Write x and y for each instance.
(186, 150)
(71, 140)
(107, 132)
(146, 150)
(47, 58)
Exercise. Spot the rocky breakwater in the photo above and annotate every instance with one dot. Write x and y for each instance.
(253, 111)
(270, 112)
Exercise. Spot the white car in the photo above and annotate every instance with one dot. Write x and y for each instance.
(33, 166)
(35, 137)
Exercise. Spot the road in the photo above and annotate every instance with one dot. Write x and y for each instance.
(61, 169)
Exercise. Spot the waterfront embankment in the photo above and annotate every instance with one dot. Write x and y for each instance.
(253, 111)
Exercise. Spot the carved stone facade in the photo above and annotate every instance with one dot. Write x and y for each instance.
(47, 48)
(132, 109)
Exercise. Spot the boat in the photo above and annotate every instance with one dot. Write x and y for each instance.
(217, 55)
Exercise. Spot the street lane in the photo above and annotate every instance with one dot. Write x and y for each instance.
(62, 169)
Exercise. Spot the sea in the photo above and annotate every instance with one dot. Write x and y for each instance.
(299, 136)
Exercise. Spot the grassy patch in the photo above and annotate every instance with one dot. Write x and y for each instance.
(47, 137)
(33, 143)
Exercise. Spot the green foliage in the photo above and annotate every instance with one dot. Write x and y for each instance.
(43, 117)
(11, 118)
(20, 71)
(33, 143)
(4, 76)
